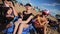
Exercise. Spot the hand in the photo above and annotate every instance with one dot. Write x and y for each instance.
(10, 4)
(19, 20)
(8, 15)
(8, 25)
(31, 16)
(6, 3)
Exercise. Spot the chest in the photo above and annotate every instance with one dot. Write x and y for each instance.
(26, 16)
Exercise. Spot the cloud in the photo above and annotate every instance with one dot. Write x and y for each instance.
(52, 4)
(54, 11)
(24, 1)
(42, 8)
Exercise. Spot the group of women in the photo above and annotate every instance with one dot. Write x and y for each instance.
(23, 20)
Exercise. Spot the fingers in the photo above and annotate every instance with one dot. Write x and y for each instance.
(31, 16)
(9, 3)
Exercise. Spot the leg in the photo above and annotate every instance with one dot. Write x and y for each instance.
(16, 27)
(45, 28)
(21, 28)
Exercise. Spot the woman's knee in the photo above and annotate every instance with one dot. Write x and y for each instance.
(23, 25)
(16, 24)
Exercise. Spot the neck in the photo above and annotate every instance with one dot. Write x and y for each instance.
(28, 10)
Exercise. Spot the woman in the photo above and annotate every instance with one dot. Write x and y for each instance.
(41, 22)
(45, 13)
(10, 13)
(25, 21)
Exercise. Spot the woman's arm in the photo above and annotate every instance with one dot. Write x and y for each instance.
(9, 16)
(15, 12)
(27, 19)
(21, 21)
(14, 9)
(45, 22)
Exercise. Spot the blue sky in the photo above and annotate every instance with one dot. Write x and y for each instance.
(52, 5)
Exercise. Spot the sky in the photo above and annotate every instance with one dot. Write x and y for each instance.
(52, 5)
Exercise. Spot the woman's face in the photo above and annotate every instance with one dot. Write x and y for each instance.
(9, 11)
(28, 7)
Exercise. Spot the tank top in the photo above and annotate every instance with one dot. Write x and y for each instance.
(26, 16)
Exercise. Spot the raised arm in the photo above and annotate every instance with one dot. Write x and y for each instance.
(14, 9)
(21, 21)
(28, 19)
(15, 12)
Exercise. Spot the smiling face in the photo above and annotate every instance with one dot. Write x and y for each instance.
(9, 11)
